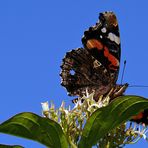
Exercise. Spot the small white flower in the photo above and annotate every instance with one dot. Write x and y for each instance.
(100, 104)
(92, 106)
(88, 96)
(66, 111)
(106, 100)
(78, 103)
(45, 106)
(63, 108)
(69, 108)
(62, 105)
(84, 99)
(142, 133)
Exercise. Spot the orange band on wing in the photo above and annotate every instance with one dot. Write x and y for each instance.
(114, 61)
(93, 43)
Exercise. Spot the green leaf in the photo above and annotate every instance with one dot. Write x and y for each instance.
(10, 146)
(33, 127)
(107, 118)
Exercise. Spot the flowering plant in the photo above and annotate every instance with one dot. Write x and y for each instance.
(88, 123)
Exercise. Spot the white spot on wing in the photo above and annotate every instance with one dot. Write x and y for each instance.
(103, 30)
(96, 64)
(114, 38)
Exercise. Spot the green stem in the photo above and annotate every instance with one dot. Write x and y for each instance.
(108, 145)
(72, 145)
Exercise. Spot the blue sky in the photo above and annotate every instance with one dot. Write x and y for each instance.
(34, 37)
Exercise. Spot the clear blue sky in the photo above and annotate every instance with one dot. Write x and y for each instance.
(34, 37)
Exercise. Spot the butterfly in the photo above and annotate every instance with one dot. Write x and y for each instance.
(95, 67)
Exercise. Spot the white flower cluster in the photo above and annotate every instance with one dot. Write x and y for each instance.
(73, 120)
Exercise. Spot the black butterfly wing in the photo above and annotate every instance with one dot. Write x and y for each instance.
(103, 42)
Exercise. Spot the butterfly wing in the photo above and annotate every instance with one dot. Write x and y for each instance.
(103, 42)
(80, 71)
(142, 117)
(96, 66)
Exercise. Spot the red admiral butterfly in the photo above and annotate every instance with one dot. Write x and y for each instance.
(96, 66)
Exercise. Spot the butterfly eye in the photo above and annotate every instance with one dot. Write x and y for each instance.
(72, 72)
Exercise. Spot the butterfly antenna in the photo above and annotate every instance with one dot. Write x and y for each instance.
(138, 86)
(123, 77)
(123, 71)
